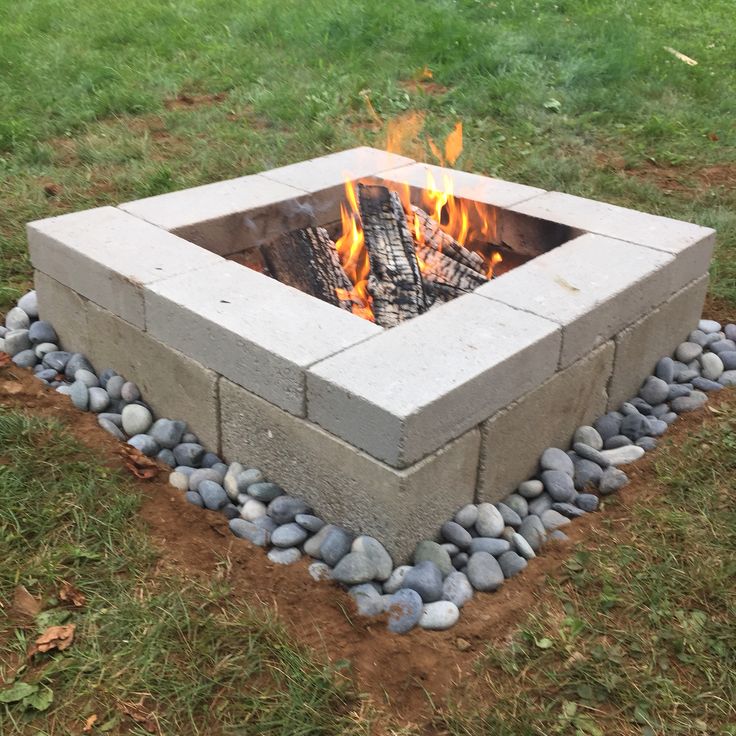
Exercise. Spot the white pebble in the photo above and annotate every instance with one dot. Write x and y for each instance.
(439, 615)
(623, 455)
(252, 510)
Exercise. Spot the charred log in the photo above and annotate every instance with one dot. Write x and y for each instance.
(395, 282)
(307, 260)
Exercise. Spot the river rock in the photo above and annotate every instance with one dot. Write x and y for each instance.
(284, 509)
(540, 504)
(522, 547)
(337, 543)
(42, 332)
(28, 359)
(728, 359)
(633, 426)
(493, 545)
(248, 530)
(590, 453)
(282, 556)
(404, 610)
(288, 535)
(17, 319)
(79, 394)
(111, 428)
(29, 304)
(708, 326)
(16, 341)
(587, 501)
(511, 563)
(194, 498)
(167, 432)
(533, 531)
(589, 436)
(554, 459)
(722, 346)
(368, 600)
(654, 390)
(687, 351)
(354, 568)
(689, 403)
(587, 475)
(396, 578)
(509, 516)
(313, 544)
(456, 534)
(319, 571)
(665, 369)
(213, 495)
(530, 488)
(613, 480)
(519, 504)
(728, 378)
(136, 419)
(426, 579)
(490, 522)
(311, 523)
(568, 509)
(711, 366)
(552, 519)
(608, 425)
(457, 588)
(252, 510)
(624, 455)
(467, 516)
(376, 553)
(439, 616)
(484, 572)
(265, 492)
(559, 484)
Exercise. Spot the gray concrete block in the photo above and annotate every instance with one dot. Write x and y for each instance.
(65, 309)
(640, 346)
(108, 256)
(515, 437)
(692, 244)
(173, 384)
(593, 286)
(346, 486)
(250, 328)
(408, 391)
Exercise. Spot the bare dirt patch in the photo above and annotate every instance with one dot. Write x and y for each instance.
(186, 100)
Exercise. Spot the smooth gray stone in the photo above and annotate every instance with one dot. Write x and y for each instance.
(456, 534)
(511, 563)
(105, 376)
(368, 600)
(704, 384)
(56, 360)
(646, 443)
(404, 610)
(519, 504)
(655, 390)
(589, 436)
(396, 578)
(634, 426)
(641, 406)
(130, 392)
(79, 394)
(669, 417)
(608, 425)
(490, 522)
(247, 478)
(110, 428)
(427, 550)
(202, 474)
(63, 389)
(41, 332)
(510, 517)
(229, 511)
(559, 484)
(711, 366)
(3, 331)
(533, 531)
(655, 427)
(722, 346)
(336, 545)
(213, 495)
(284, 509)
(88, 378)
(665, 369)
(587, 475)
(555, 459)
(98, 399)
(191, 438)
(677, 389)
(730, 332)
(589, 453)
(377, 553)
(522, 547)
(698, 337)
(247, 530)
(16, 341)
(586, 501)
(318, 571)
(166, 457)
(45, 374)
(188, 453)
(75, 363)
(492, 545)
(25, 359)
(44, 349)
(179, 480)
(541, 503)
(568, 509)
(184, 470)
(145, 444)
(29, 304)
(136, 419)
(221, 468)
(116, 419)
(552, 519)
(168, 432)
(115, 386)
(17, 319)
(426, 579)
(457, 588)
(687, 351)
(627, 409)
(484, 572)
(708, 326)
(728, 359)
(728, 378)
(313, 544)
(467, 516)
(210, 459)
(625, 455)
(288, 535)
(451, 549)
(460, 560)
(612, 480)
(686, 375)
(660, 410)
(557, 535)
(530, 488)
(194, 498)
(284, 556)
(266, 523)
(265, 492)
(689, 403)
(311, 523)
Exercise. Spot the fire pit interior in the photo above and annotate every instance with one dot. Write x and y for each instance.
(416, 335)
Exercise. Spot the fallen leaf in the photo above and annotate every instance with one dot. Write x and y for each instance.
(681, 57)
(40, 700)
(713, 136)
(10, 387)
(55, 637)
(69, 594)
(137, 712)
(141, 466)
(16, 692)
(89, 723)
(51, 190)
(24, 603)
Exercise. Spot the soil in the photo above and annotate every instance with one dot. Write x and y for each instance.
(401, 671)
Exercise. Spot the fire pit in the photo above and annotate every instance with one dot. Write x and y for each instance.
(386, 409)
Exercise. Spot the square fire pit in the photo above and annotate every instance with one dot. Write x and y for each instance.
(385, 431)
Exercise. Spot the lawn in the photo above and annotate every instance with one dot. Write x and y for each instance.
(106, 103)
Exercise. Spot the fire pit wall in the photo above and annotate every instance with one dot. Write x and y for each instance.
(384, 431)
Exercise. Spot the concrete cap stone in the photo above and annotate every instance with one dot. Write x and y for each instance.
(108, 256)
(593, 286)
(252, 329)
(406, 392)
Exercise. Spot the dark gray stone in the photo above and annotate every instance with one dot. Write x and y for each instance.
(641, 406)
(167, 457)
(568, 509)
(541, 503)
(188, 453)
(519, 504)
(230, 511)
(587, 502)
(248, 530)
(676, 390)
(311, 523)
(655, 390)
(492, 545)
(111, 428)
(554, 459)
(552, 519)
(213, 495)
(453, 532)
(665, 370)
(608, 425)
(559, 484)
(533, 531)
(426, 579)
(728, 359)
(722, 346)
(634, 426)
(145, 444)
(284, 509)
(265, 492)
(705, 384)
(484, 572)
(404, 610)
(510, 517)
(57, 360)
(511, 563)
(648, 443)
(589, 453)
(460, 560)
(612, 480)
(587, 475)
(289, 535)
(336, 545)
(194, 498)
(168, 432)
(76, 362)
(728, 378)
(730, 332)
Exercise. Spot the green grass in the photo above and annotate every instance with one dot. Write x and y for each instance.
(201, 663)
(549, 93)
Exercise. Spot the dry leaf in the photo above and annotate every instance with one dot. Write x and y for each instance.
(10, 387)
(681, 57)
(55, 637)
(69, 594)
(24, 603)
(137, 712)
(4, 359)
(89, 723)
(141, 466)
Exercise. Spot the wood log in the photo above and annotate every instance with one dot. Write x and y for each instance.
(307, 259)
(395, 282)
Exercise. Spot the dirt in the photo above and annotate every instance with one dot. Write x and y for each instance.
(185, 100)
(404, 672)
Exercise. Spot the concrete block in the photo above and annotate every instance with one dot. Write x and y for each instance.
(226, 216)
(515, 437)
(408, 391)
(346, 486)
(640, 346)
(108, 256)
(593, 286)
(65, 309)
(250, 328)
(173, 384)
(692, 244)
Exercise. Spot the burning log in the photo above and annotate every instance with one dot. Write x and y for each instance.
(395, 282)
(307, 260)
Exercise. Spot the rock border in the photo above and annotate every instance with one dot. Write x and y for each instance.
(477, 550)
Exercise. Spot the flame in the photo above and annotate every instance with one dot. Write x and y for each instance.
(495, 259)
(454, 144)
